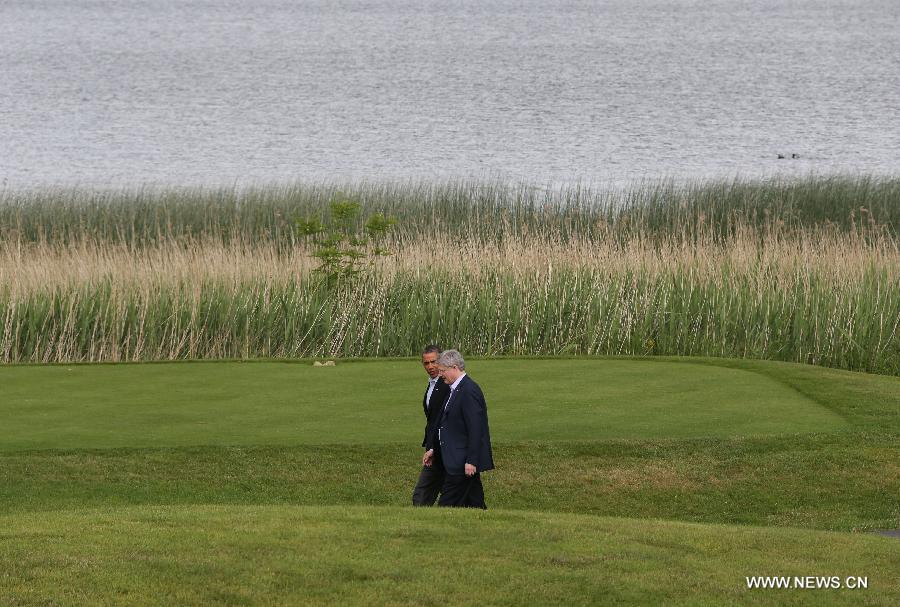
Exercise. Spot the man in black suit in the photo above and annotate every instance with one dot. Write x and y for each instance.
(464, 439)
(431, 478)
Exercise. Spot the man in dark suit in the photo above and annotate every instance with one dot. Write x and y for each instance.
(431, 478)
(464, 439)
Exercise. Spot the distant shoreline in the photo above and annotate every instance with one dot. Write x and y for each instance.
(593, 184)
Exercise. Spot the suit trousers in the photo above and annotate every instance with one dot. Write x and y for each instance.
(431, 479)
(461, 491)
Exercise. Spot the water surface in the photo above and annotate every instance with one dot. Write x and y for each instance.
(209, 92)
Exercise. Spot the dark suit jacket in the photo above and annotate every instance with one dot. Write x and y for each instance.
(433, 413)
(465, 437)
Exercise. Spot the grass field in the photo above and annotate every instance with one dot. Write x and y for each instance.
(641, 481)
(271, 403)
(254, 555)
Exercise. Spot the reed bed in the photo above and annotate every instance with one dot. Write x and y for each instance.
(468, 211)
(95, 290)
(803, 271)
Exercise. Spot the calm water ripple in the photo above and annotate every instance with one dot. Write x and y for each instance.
(113, 92)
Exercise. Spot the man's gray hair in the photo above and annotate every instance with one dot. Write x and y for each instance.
(451, 358)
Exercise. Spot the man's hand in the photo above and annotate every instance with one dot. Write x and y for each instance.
(470, 470)
(427, 458)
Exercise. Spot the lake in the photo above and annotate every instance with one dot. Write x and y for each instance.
(110, 93)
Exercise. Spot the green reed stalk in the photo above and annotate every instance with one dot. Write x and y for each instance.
(472, 211)
(804, 270)
(815, 318)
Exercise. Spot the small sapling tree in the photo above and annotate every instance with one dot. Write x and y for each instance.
(341, 246)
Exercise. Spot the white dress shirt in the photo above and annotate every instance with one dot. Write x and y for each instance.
(431, 384)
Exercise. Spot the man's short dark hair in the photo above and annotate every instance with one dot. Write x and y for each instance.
(432, 348)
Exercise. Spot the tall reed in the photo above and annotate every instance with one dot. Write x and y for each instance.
(469, 211)
(820, 293)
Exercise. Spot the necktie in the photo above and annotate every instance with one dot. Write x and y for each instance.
(447, 404)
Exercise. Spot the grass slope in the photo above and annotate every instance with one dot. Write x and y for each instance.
(357, 556)
(838, 482)
(846, 478)
(266, 488)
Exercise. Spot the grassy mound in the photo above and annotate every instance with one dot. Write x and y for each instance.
(694, 440)
(267, 403)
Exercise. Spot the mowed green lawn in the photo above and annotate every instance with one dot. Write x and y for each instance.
(270, 403)
(231, 555)
(282, 483)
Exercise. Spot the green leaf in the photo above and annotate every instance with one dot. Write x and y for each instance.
(309, 226)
